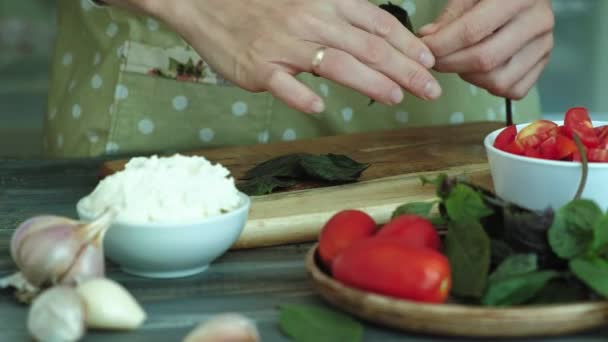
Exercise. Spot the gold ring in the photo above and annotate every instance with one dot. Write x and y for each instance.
(318, 59)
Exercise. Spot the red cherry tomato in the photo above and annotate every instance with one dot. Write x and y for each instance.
(602, 134)
(577, 121)
(391, 268)
(411, 229)
(341, 230)
(597, 155)
(535, 133)
(565, 147)
(548, 149)
(505, 137)
(514, 148)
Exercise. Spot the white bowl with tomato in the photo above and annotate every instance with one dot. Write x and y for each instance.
(538, 165)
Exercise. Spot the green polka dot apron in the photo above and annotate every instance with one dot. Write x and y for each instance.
(123, 83)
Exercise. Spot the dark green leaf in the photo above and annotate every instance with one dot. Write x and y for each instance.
(332, 167)
(283, 166)
(571, 233)
(593, 272)
(599, 245)
(516, 289)
(559, 291)
(415, 208)
(304, 323)
(463, 204)
(263, 185)
(468, 250)
(514, 265)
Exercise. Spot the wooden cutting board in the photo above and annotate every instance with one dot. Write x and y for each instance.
(397, 159)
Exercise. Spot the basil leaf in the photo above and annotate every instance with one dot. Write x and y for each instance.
(263, 185)
(468, 250)
(304, 323)
(593, 272)
(465, 204)
(283, 166)
(559, 291)
(500, 251)
(572, 230)
(415, 208)
(516, 289)
(332, 167)
(514, 265)
(599, 244)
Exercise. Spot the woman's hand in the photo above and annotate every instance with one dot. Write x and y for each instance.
(499, 45)
(260, 45)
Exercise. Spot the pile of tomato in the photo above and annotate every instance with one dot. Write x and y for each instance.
(400, 259)
(547, 140)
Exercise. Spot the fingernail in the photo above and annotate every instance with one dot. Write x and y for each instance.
(432, 90)
(426, 59)
(396, 95)
(318, 106)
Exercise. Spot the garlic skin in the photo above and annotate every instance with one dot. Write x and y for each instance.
(228, 327)
(108, 305)
(57, 315)
(56, 250)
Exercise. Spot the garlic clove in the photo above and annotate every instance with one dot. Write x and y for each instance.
(89, 264)
(57, 314)
(228, 327)
(108, 305)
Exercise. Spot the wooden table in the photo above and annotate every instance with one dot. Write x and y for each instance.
(253, 282)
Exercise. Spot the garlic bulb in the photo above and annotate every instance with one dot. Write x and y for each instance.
(57, 315)
(108, 305)
(57, 250)
(228, 327)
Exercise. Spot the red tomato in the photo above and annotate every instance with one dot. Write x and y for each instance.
(411, 229)
(532, 152)
(548, 149)
(565, 147)
(597, 155)
(578, 121)
(602, 134)
(505, 137)
(391, 268)
(341, 230)
(514, 148)
(537, 132)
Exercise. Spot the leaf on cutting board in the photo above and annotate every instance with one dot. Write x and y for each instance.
(464, 204)
(263, 185)
(283, 166)
(516, 289)
(422, 209)
(571, 233)
(593, 271)
(332, 167)
(468, 250)
(305, 323)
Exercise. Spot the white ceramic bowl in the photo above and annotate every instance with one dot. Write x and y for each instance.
(171, 250)
(538, 184)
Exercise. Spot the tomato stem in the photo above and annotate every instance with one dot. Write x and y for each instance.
(584, 162)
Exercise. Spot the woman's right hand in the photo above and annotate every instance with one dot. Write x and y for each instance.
(260, 45)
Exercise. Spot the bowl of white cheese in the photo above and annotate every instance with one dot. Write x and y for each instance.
(175, 215)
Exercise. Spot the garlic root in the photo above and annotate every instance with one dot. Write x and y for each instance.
(228, 327)
(108, 305)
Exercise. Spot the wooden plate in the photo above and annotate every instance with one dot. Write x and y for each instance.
(456, 319)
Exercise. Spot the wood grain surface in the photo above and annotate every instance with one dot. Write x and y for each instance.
(254, 282)
(397, 159)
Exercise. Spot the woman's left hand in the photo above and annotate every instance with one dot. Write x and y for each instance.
(501, 46)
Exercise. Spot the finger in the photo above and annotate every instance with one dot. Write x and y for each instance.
(501, 80)
(288, 89)
(376, 53)
(521, 89)
(500, 47)
(378, 22)
(475, 25)
(452, 11)
(343, 68)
